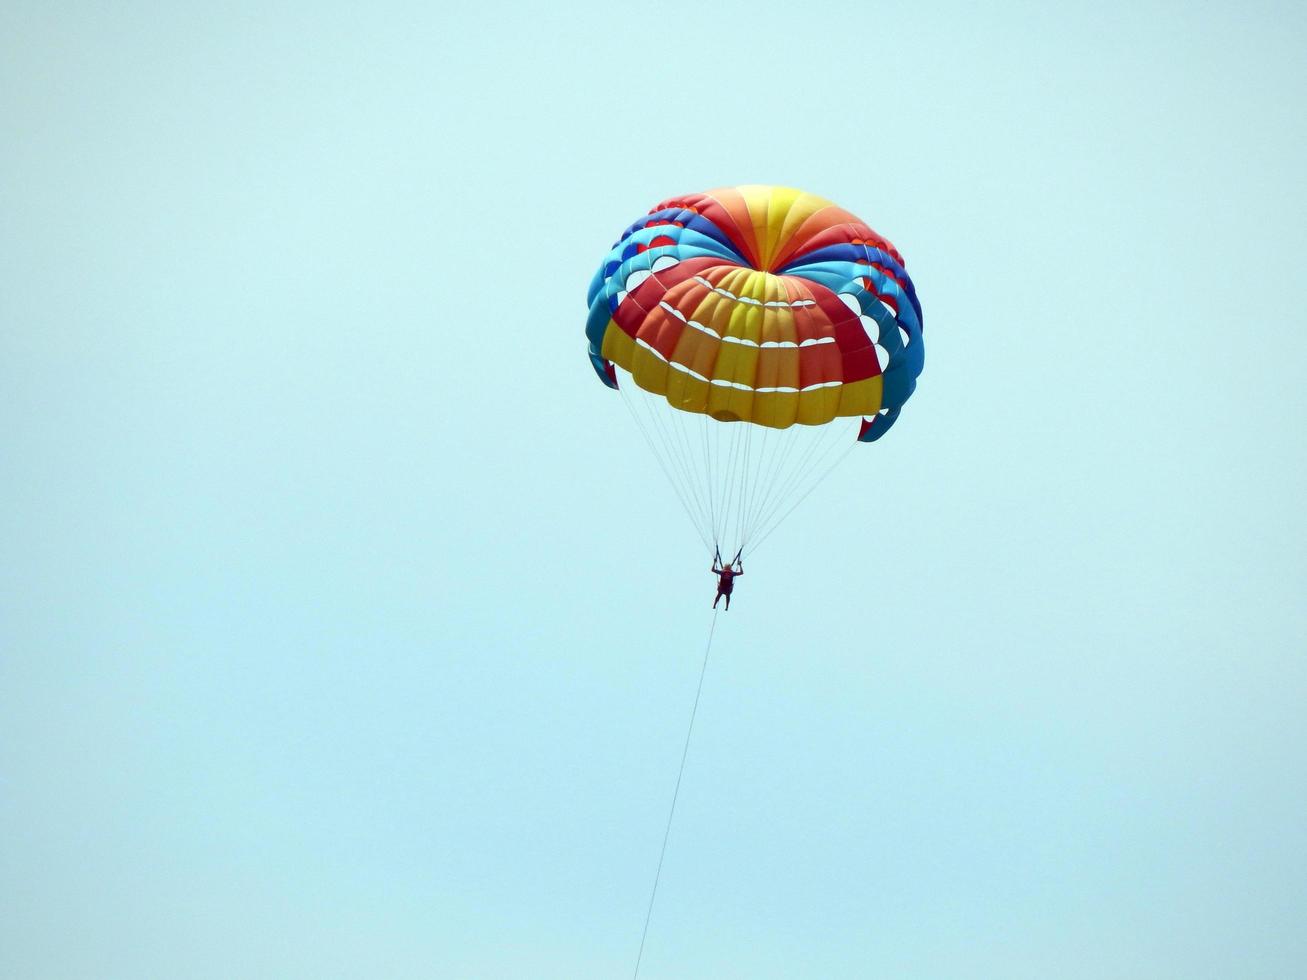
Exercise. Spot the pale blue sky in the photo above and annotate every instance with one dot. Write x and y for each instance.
(348, 630)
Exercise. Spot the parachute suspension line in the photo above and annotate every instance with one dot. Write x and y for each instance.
(795, 440)
(754, 485)
(674, 448)
(795, 472)
(691, 487)
(793, 507)
(684, 473)
(734, 484)
(783, 448)
(712, 457)
(743, 482)
(747, 482)
(728, 476)
(781, 443)
(789, 474)
(697, 437)
(813, 486)
(732, 474)
(664, 459)
(671, 812)
(822, 452)
(725, 478)
(675, 429)
(721, 477)
(626, 400)
(783, 480)
(676, 423)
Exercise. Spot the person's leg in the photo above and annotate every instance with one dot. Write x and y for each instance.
(728, 602)
(717, 599)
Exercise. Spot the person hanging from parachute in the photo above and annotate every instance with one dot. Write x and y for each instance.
(726, 575)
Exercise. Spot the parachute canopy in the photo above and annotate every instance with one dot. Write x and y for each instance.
(759, 304)
(755, 309)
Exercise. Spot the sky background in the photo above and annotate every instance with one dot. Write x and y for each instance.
(348, 629)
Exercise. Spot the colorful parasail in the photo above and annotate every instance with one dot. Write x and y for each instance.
(753, 311)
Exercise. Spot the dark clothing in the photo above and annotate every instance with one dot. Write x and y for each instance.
(725, 582)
